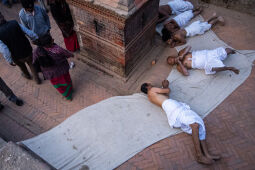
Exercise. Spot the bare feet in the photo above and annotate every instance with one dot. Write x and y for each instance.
(205, 160)
(214, 157)
(235, 70)
(221, 20)
(230, 51)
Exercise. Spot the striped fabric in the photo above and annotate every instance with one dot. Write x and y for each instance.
(64, 85)
(5, 89)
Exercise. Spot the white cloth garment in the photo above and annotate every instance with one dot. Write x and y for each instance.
(197, 28)
(184, 18)
(180, 115)
(180, 6)
(208, 59)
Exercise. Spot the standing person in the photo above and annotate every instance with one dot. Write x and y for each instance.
(34, 18)
(53, 63)
(181, 116)
(16, 48)
(9, 94)
(62, 15)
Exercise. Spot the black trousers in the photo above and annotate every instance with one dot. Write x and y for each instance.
(5, 89)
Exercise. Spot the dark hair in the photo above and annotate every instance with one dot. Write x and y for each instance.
(27, 3)
(44, 40)
(166, 35)
(44, 59)
(144, 88)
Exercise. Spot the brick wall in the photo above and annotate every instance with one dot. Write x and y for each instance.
(112, 41)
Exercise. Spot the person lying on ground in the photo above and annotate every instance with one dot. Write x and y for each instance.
(174, 7)
(209, 60)
(9, 94)
(178, 22)
(180, 115)
(196, 28)
(52, 61)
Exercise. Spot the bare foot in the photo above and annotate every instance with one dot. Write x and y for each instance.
(214, 157)
(214, 14)
(205, 160)
(230, 51)
(221, 20)
(236, 71)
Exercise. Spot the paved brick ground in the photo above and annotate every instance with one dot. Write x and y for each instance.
(230, 127)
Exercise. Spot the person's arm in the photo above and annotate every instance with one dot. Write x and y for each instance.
(6, 53)
(161, 90)
(22, 19)
(66, 53)
(33, 36)
(218, 69)
(184, 52)
(46, 17)
(182, 69)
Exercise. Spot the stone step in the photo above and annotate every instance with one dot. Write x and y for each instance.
(13, 156)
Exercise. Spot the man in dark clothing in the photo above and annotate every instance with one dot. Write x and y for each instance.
(9, 94)
(16, 48)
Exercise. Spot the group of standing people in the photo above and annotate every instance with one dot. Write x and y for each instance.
(48, 57)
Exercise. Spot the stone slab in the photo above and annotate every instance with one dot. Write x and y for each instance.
(13, 157)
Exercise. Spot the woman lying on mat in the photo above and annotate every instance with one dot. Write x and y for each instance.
(209, 60)
(53, 63)
(196, 28)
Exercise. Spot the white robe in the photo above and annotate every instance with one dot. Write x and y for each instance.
(180, 6)
(208, 59)
(180, 115)
(197, 28)
(184, 18)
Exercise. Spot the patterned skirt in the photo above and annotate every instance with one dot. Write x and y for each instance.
(64, 85)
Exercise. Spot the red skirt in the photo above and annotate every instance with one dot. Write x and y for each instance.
(64, 85)
(71, 42)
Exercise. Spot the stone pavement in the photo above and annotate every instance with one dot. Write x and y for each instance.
(230, 127)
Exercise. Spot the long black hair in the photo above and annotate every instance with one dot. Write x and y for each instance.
(27, 3)
(166, 35)
(44, 59)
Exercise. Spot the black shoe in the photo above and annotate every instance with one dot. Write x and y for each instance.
(26, 76)
(1, 107)
(16, 100)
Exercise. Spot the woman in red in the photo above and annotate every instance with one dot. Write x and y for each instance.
(52, 60)
(62, 15)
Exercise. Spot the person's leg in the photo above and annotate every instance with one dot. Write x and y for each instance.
(9, 94)
(23, 68)
(1, 106)
(214, 16)
(215, 20)
(206, 152)
(195, 137)
(29, 61)
(197, 11)
(230, 51)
